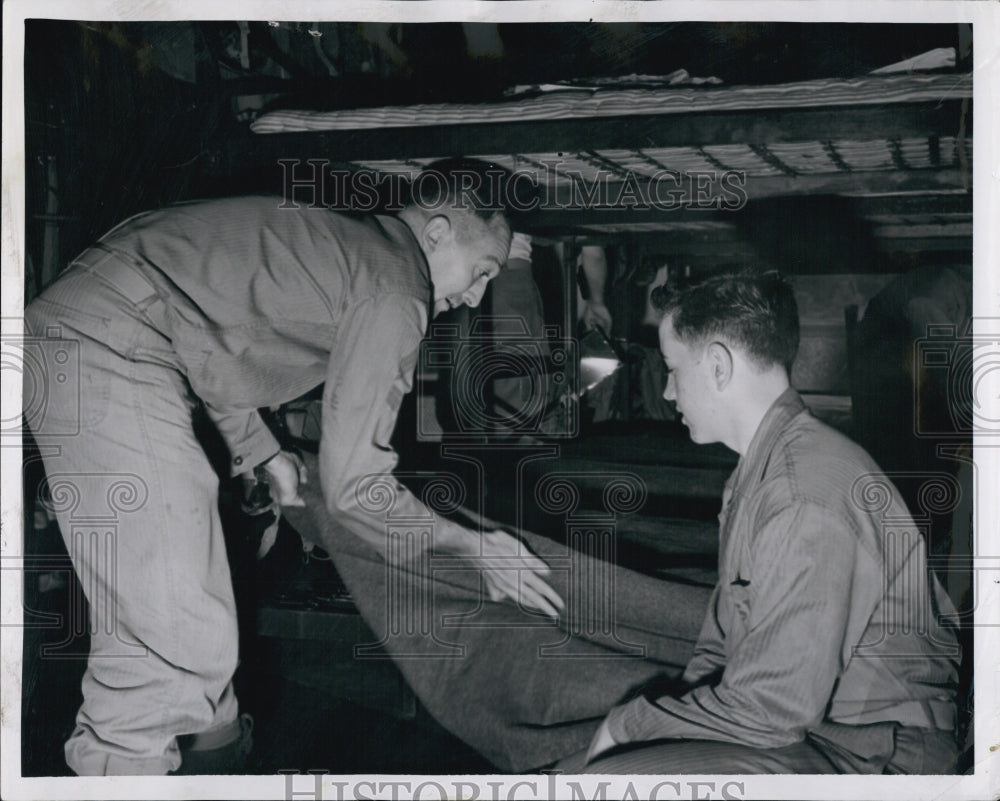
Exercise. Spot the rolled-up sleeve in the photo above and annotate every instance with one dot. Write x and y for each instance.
(370, 370)
(785, 645)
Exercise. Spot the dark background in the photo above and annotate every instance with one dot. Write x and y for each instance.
(123, 117)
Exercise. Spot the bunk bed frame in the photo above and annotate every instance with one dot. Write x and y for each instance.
(901, 145)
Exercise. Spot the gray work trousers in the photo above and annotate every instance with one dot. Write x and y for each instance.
(910, 750)
(137, 503)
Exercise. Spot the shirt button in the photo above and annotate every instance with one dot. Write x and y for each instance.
(238, 461)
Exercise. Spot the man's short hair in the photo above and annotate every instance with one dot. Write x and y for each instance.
(755, 311)
(484, 188)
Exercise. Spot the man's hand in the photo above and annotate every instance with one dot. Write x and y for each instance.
(602, 742)
(510, 571)
(285, 471)
(595, 314)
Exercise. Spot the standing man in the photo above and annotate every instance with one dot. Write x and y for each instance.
(238, 304)
(822, 649)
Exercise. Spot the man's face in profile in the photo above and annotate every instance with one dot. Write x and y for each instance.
(466, 258)
(689, 385)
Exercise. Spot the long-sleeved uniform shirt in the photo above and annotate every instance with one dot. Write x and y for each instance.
(824, 617)
(264, 303)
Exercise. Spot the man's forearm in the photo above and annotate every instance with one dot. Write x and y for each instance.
(696, 716)
(595, 270)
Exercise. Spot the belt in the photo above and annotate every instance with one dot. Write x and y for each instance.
(120, 271)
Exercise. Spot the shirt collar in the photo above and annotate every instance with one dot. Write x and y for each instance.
(389, 220)
(788, 405)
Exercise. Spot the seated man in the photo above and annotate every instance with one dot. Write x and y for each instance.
(822, 650)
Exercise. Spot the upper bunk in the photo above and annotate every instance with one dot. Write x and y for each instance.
(669, 158)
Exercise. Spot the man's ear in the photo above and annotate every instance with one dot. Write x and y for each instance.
(436, 231)
(720, 361)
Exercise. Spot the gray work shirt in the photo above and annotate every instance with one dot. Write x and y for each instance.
(263, 303)
(823, 618)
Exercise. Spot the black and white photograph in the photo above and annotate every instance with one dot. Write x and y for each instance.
(500, 400)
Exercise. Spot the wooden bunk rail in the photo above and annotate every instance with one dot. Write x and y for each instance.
(752, 127)
(652, 202)
(944, 196)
